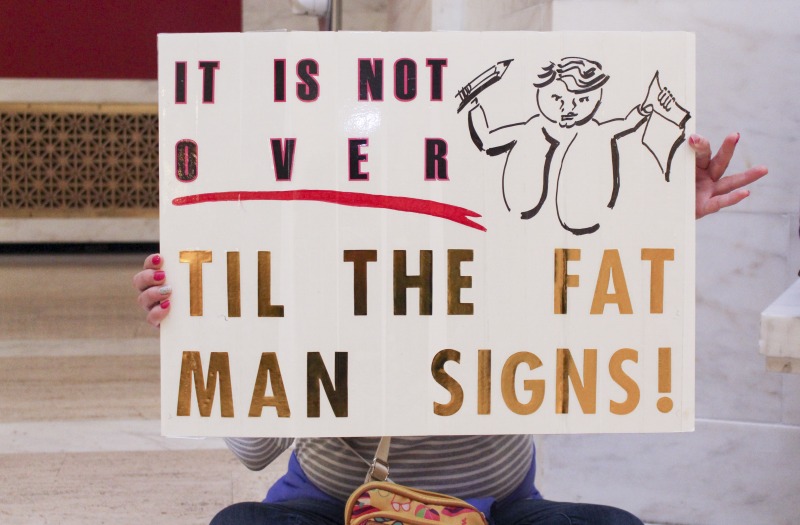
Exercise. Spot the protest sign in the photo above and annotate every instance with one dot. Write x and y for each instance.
(427, 233)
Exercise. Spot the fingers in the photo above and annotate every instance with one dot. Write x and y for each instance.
(147, 278)
(158, 313)
(153, 262)
(154, 292)
(719, 163)
(739, 180)
(702, 151)
(153, 296)
(155, 301)
(730, 190)
(715, 204)
(714, 190)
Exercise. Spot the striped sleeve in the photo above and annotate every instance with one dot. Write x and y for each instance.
(462, 466)
(257, 453)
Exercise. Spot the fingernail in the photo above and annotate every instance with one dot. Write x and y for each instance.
(156, 259)
(165, 290)
(159, 275)
(692, 140)
(165, 305)
(738, 136)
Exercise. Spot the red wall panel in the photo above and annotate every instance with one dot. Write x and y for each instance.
(100, 38)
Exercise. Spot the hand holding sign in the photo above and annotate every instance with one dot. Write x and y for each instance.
(154, 292)
(713, 190)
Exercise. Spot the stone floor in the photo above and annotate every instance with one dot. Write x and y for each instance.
(79, 405)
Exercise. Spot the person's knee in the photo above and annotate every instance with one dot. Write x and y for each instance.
(545, 512)
(591, 514)
(621, 517)
(238, 513)
(297, 512)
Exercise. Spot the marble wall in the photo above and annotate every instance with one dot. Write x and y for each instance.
(740, 465)
(469, 15)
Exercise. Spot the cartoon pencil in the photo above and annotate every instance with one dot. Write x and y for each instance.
(468, 93)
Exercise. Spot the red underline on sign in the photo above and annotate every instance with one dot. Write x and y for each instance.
(344, 198)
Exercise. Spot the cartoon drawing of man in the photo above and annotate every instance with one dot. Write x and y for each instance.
(565, 144)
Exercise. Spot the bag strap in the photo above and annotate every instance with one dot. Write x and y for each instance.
(379, 470)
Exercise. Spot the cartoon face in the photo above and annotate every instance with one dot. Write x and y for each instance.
(566, 108)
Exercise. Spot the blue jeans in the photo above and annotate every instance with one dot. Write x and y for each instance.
(520, 512)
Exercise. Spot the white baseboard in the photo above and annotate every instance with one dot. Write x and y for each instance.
(55, 230)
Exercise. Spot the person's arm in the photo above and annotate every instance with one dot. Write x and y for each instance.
(257, 453)
(713, 190)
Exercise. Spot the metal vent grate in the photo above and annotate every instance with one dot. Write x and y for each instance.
(78, 160)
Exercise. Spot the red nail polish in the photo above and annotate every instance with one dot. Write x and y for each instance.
(156, 259)
(165, 305)
(159, 275)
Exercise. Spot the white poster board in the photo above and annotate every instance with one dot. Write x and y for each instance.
(427, 233)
